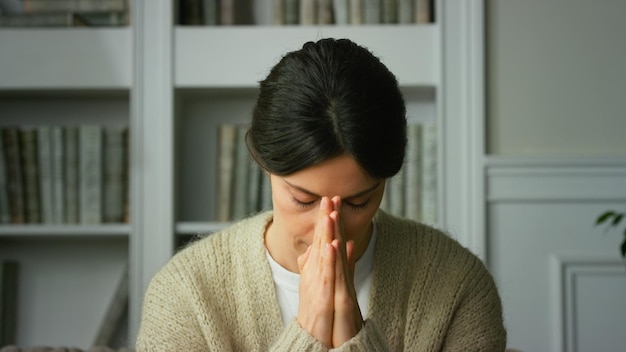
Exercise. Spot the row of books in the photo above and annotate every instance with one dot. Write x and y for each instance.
(64, 13)
(242, 189)
(308, 12)
(412, 193)
(63, 174)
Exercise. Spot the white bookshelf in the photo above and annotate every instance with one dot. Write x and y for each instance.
(173, 85)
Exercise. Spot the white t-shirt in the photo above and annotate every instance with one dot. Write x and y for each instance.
(288, 283)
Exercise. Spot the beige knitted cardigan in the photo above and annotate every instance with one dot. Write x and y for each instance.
(428, 294)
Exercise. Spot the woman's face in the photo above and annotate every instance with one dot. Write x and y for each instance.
(296, 200)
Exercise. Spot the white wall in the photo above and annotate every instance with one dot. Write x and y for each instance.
(556, 77)
(556, 158)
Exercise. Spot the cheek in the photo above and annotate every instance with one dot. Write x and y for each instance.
(356, 224)
(296, 223)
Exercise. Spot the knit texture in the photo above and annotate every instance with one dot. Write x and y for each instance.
(428, 294)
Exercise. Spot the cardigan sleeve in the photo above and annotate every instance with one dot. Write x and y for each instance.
(368, 339)
(477, 323)
(170, 320)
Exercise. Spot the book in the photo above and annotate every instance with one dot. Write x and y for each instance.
(65, 19)
(30, 6)
(240, 175)
(44, 135)
(389, 11)
(356, 11)
(292, 12)
(371, 11)
(71, 175)
(15, 186)
(58, 174)
(278, 12)
(406, 11)
(227, 137)
(227, 12)
(90, 174)
(396, 193)
(341, 12)
(423, 11)
(413, 170)
(308, 12)
(115, 313)
(429, 173)
(113, 179)
(28, 140)
(210, 12)
(9, 273)
(5, 213)
(190, 12)
(324, 12)
(266, 192)
(254, 187)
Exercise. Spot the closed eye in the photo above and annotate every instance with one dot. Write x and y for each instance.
(303, 205)
(357, 206)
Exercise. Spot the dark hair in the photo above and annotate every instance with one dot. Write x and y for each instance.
(329, 98)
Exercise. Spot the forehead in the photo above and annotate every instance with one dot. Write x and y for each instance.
(341, 176)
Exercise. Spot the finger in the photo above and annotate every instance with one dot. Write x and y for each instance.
(303, 258)
(351, 261)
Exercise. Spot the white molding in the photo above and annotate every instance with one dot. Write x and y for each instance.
(565, 268)
(462, 130)
(152, 149)
(556, 179)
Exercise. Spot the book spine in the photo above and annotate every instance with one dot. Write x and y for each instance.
(308, 12)
(90, 177)
(254, 187)
(71, 175)
(406, 11)
(240, 173)
(341, 12)
(44, 134)
(423, 11)
(227, 135)
(210, 12)
(5, 212)
(113, 177)
(15, 189)
(429, 174)
(9, 274)
(30, 6)
(58, 174)
(413, 172)
(324, 12)
(292, 12)
(227, 12)
(356, 11)
(389, 11)
(396, 193)
(371, 11)
(278, 12)
(31, 174)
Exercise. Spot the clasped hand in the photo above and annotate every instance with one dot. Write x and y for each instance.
(328, 307)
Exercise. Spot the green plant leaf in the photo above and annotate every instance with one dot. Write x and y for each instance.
(616, 220)
(605, 216)
(623, 249)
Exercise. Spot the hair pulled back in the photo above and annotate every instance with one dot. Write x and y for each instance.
(329, 98)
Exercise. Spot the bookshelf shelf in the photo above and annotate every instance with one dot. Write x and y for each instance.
(193, 228)
(57, 231)
(68, 58)
(247, 49)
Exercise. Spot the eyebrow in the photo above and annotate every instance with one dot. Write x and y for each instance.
(356, 195)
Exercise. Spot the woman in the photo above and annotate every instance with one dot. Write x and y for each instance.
(326, 269)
